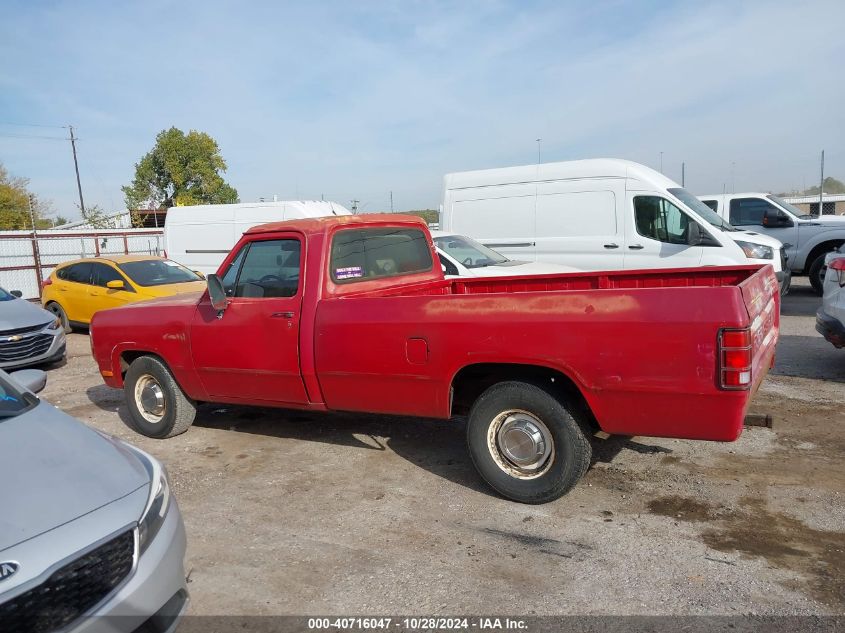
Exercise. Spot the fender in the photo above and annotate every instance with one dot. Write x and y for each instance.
(186, 376)
(829, 234)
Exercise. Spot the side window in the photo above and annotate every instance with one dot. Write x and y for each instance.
(61, 273)
(101, 274)
(270, 269)
(449, 267)
(749, 211)
(713, 204)
(79, 273)
(364, 254)
(231, 274)
(660, 220)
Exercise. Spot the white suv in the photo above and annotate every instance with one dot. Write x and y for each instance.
(830, 319)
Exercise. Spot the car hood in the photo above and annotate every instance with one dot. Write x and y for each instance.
(518, 268)
(56, 469)
(168, 290)
(18, 313)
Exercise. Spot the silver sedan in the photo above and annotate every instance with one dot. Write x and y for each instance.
(29, 335)
(91, 538)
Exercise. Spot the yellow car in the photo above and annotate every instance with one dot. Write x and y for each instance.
(75, 290)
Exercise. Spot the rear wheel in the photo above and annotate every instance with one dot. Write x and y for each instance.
(57, 310)
(816, 272)
(158, 406)
(525, 443)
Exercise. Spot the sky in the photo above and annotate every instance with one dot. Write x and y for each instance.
(353, 100)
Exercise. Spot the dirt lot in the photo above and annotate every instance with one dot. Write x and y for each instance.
(294, 513)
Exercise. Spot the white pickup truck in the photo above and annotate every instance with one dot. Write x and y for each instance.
(808, 239)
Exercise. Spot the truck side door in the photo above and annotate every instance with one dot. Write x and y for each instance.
(748, 214)
(250, 352)
(655, 234)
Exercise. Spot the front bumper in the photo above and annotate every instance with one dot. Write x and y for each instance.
(23, 353)
(831, 328)
(784, 278)
(156, 595)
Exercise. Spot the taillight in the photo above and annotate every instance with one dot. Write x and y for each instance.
(838, 265)
(735, 359)
(46, 283)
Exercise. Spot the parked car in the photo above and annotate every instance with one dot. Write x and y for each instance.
(77, 290)
(462, 256)
(200, 236)
(830, 318)
(809, 240)
(29, 335)
(89, 528)
(602, 214)
(353, 314)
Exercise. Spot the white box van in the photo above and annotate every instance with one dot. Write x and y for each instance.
(808, 239)
(601, 214)
(201, 236)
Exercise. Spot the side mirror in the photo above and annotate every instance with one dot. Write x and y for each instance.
(115, 284)
(693, 233)
(217, 293)
(16, 293)
(33, 379)
(773, 218)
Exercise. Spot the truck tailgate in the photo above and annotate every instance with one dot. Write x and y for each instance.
(762, 300)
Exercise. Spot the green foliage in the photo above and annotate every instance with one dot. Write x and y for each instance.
(97, 218)
(181, 169)
(429, 215)
(14, 204)
(60, 220)
(831, 185)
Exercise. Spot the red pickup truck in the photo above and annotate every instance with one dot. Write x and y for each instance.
(353, 314)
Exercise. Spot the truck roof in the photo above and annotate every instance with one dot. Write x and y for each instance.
(321, 225)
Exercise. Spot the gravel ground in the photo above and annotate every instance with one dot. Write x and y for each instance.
(293, 513)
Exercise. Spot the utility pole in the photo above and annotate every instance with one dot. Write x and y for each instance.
(73, 140)
(539, 140)
(821, 189)
(31, 213)
(391, 202)
(661, 162)
(355, 206)
(683, 173)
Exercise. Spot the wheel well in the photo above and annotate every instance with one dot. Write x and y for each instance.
(470, 382)
(818, 249)
(128, 356)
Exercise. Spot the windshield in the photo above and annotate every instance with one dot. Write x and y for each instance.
(157, 272)
(5, 296)
(701, 209)
(468, 252)
(12, 400)
(798, 213)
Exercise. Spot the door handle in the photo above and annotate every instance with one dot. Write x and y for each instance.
(636, 247)
(282, 315)
(611, 245)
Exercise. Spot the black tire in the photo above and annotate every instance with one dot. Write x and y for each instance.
(178, 411)
(558, 473)
(59, 311)
(816, 272)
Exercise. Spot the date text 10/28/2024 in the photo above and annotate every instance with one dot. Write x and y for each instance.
(417, 624)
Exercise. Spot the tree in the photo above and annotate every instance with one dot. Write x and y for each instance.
(96, 218)
(831, 185)
(181, 169)
(15, 199)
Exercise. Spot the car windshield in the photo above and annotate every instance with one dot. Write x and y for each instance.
(468, 252)
(12, 400)
(157, 272)
(701, 209)
(798, 213)
(5, 296)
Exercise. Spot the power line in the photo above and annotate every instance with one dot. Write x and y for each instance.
(48, 138)
(60, 127)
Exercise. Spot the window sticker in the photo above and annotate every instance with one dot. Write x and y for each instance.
(349, 272)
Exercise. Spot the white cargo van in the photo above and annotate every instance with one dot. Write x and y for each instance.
(200, 236)
(808, 239)
(601, 214)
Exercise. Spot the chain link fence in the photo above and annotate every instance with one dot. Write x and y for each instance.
(26, 259)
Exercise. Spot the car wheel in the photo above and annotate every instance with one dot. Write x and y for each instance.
(158, 406)
(816, 272)
(56, 309)
(525, 443)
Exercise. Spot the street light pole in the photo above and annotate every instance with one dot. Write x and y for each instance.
(539, 140)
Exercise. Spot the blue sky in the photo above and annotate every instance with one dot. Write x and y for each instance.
(355, 99)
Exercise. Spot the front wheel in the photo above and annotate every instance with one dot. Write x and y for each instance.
(59, 312)
(158, 406)
(817, 272)
(525, 443)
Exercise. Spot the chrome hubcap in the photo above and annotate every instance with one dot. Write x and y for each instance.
(520, 444)
(149, 398)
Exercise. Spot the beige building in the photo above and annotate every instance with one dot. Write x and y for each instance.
(832, 204)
